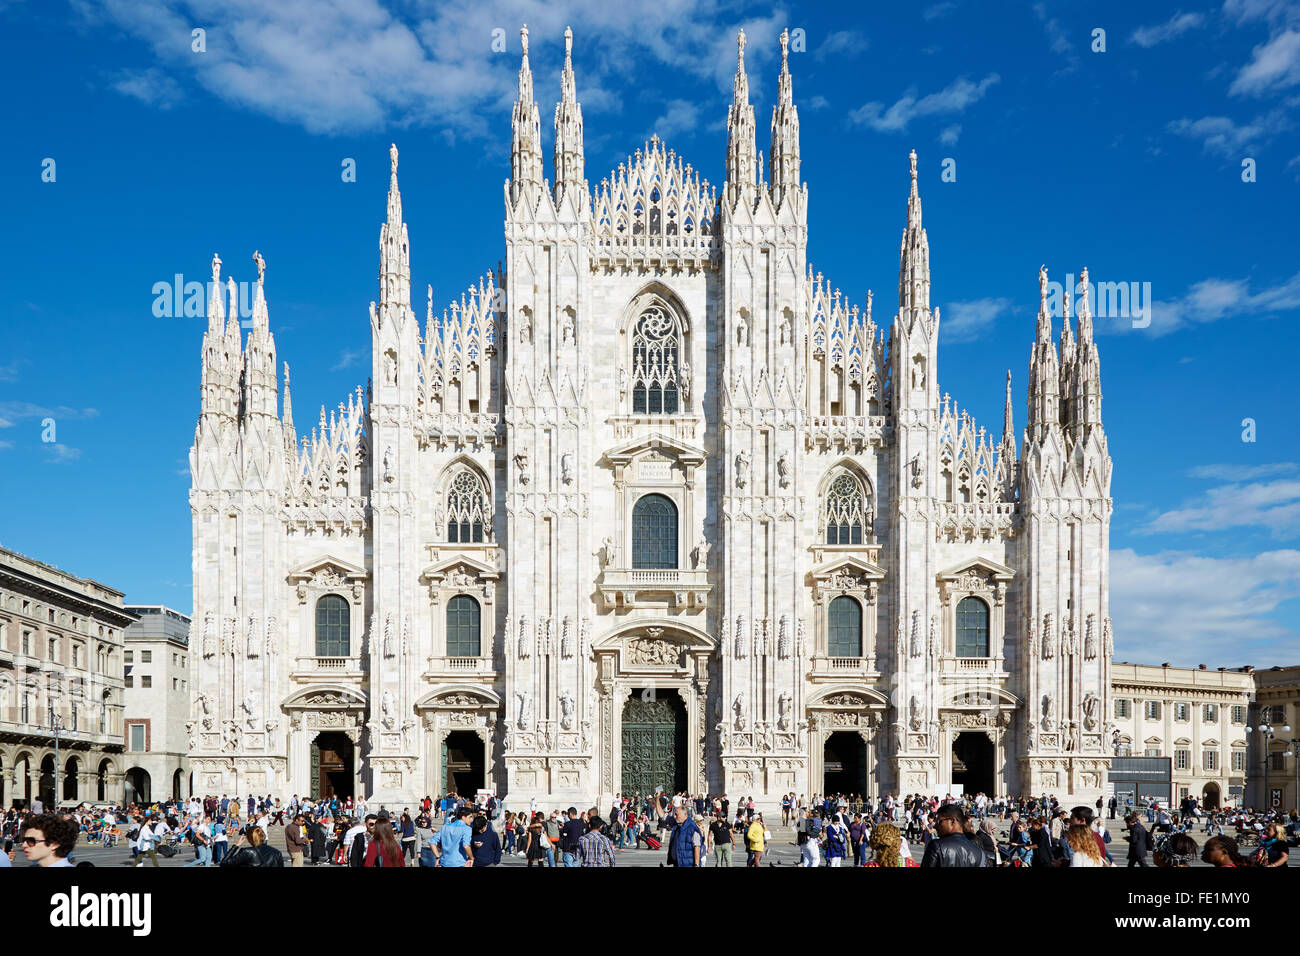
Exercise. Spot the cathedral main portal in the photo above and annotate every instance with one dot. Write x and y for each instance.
(654, 743)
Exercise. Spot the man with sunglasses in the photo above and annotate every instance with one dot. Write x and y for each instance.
(48, 839)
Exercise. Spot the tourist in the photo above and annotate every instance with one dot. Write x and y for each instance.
(570, 833)
(253, 850)
(594, 848)
(295, 840)
(453, 844)
(384, 849)
(720, 840)
(48, 839)
(1139, 841)
(951, 848)
(1222, 851)
(485, 842)
(536, 845)
(685, 843)
(836, 841)
(1084, 850)
(1174, 850)
(408, 837)
(1272, 848)
(886, 847)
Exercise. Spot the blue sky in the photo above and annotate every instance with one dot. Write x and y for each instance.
(1127, 161)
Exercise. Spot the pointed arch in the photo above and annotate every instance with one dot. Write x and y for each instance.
(847, 505)
(464, 506)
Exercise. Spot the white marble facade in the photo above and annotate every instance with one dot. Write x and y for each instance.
(650, 335)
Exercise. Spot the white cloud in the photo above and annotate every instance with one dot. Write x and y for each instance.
(345, 65)
(1245, 11)
(1209, 301)
(1175, 26)
(964, 321)
(939, 10)
(1056, 35)
(59, 454)
(152, 87)
(1189, 609)
(680, 116)
(953, 98)
(949, 136)
(839, 43)
(1243, 472)
(347, 358)
(1246, 502)
(1223, 137)
(1274, 65)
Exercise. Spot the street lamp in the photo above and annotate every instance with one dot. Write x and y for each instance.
(1268, 732)
(56, 727)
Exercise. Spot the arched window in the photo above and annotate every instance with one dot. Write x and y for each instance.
(846, 517)
(844, 637)
(467, 509)
(463, 638)
(656, 372)
(333, 627)
(972, 628)
(654, 533)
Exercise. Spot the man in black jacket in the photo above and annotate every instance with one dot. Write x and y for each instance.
(952, 848)
(1139, 841)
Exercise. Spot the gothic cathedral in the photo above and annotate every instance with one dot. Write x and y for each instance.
(650, 505)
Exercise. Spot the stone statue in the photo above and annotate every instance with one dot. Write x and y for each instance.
(209, 635)
(566, 468)
(783, 470)
(702, 553)
(742, 469)
(914, 713)
(742, 638)
(783, 642)
(566, 638)
(387, 710)
(521, 463)
(606, 552)
(525, 710)
(783, 704)
(250, 709)
(1049, 713)
(1031, 738)
(261, 266)
(567, 707)
(388, 635)
(1090, 639)
(738, 708)
(1049, 649)
(566, 327)
(1108, 639)
(1090, 710)
(684, 375)
(914, 645)
(388, 465)
(1042, 282)
(525, 638)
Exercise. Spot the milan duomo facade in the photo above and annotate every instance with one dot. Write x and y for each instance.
(651, 505)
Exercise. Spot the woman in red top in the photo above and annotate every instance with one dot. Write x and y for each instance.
(384, 850)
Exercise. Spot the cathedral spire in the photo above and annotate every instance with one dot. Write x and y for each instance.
(526, 130)
(740, 133)
(914, 255)
(568, 127)
(1044, 380)
(216, 308)
(783, 172)
(288, 401)
(1085, 312)
(394, 250)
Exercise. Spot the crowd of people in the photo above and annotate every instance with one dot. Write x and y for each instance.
(688, 830)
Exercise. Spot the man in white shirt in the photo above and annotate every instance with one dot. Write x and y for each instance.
(145, 844)
(358, 831)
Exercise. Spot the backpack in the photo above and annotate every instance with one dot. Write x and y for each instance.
(358, 855)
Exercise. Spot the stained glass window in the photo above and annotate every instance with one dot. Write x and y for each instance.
(467, 516)
(846, 511)
(656, 346)
(654, 533)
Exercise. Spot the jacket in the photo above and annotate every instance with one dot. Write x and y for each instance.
(264, 856)
(955, 849)
(681, 847)
(487, 847)
(294, 839)
(1139, 841)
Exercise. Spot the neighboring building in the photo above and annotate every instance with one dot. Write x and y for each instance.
(653, 505)
(1277, 704)
(157, 677)
(1195, 717)
(60, 657)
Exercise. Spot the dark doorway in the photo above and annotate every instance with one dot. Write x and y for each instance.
(1210, 797)
(463, 763)
(844, 764)
(137, 786)
(101, 782)
(71, 775)
(654, 742)
(332, 766)
(176, 785)
(45, 786)
(972, 762)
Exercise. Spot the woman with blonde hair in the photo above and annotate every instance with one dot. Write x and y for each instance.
(1083, 846)
(884, 842)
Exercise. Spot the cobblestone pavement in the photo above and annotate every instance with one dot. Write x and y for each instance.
(782, 851)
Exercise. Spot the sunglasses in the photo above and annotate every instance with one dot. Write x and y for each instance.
(32, 841)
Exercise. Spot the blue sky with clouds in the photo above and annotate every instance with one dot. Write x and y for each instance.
(1127, 161)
